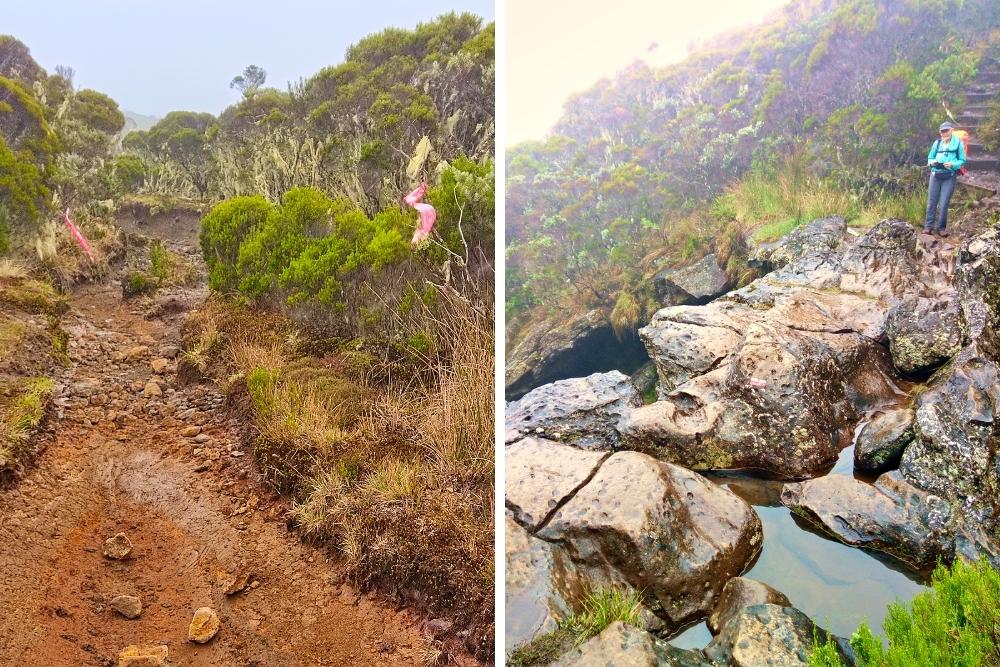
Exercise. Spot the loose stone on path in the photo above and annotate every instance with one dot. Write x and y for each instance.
(117, 547)
(204, 625)
(127, 605)
(143, 656)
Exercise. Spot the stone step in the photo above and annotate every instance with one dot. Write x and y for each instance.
(973, 118)
(983, 163)
(980, 97)
(978, 108)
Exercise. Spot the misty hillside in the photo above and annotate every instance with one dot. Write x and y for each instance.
(138, 121)
(831, 94)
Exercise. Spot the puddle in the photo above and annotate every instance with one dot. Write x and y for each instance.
(695, 637)
(835, 585)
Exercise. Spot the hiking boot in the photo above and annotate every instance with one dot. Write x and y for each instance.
(927, 230)
(942, 232)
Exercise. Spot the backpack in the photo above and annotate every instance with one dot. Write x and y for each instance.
(962, 136)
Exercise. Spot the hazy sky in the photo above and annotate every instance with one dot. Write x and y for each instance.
(559, 47)
(155, 56)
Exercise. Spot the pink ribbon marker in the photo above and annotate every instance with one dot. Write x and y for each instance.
(427, 213)
(77, 236)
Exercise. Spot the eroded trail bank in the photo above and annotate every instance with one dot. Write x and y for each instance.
(129, 450)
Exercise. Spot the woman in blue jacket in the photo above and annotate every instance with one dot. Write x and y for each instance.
(945, 159)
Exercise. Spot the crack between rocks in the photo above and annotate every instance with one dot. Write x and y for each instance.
(569, 496)
(702, 324)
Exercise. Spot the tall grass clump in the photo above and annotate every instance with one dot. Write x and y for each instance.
(955, 624)
(388, 461)
(599, 609)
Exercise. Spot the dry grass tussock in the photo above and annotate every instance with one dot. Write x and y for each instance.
(394, 470)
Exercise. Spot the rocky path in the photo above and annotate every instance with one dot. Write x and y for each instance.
(130, 451)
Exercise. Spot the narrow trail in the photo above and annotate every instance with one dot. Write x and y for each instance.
(120, 458)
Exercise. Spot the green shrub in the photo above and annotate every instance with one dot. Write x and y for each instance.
(223, 230)
(953, 624)
(137, 283)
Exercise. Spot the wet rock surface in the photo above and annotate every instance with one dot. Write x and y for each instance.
(541, 586)
(662, 529)
(890, 515)
(583, 412)
(739, 593)
(768, 634)
(772, 376)
(881, 442)
(541, 475)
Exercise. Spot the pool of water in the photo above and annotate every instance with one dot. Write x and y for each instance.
(835, 585)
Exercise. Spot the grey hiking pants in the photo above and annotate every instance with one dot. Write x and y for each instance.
(939, 194)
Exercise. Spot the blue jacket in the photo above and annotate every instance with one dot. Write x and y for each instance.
(953, 152)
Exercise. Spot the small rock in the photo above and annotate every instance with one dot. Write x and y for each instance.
(240, 581)
(190, 431)
(136, 352)
(127, 605)
(169, 351)
(117, 547)
(204, 625)
(202, 438)
(143, 656)
(739, 593)
(439, 626)
(159, 365)
(152, 389)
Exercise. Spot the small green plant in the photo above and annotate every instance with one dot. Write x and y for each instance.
(138, 283)
(599, 609)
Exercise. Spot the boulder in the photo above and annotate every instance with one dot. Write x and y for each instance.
(820, 237)
(881, 442)
(621, 644)
(661, 528)
(739, 593)
(769, 634)
(583, 412)
(565, 347)
(774, 376)
(891, 516)
(954, 453)
(542, 586)
(541, 475)
(781, 401)
(697, 283)
(924, 333)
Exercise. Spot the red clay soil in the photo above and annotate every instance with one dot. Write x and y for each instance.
(116, 461)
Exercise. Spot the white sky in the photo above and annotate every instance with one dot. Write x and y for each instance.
(559, 47)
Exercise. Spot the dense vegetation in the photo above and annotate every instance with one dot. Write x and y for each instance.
(364, 362)
(56, 151)
(953, 624)
(829, 99)
(402, 102)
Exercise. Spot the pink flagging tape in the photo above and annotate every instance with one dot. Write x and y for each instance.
(77, 236)
(427, 213)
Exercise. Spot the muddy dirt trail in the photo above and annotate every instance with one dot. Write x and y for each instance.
(130, 450)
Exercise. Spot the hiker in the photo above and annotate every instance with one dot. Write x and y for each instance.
(945, 159)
